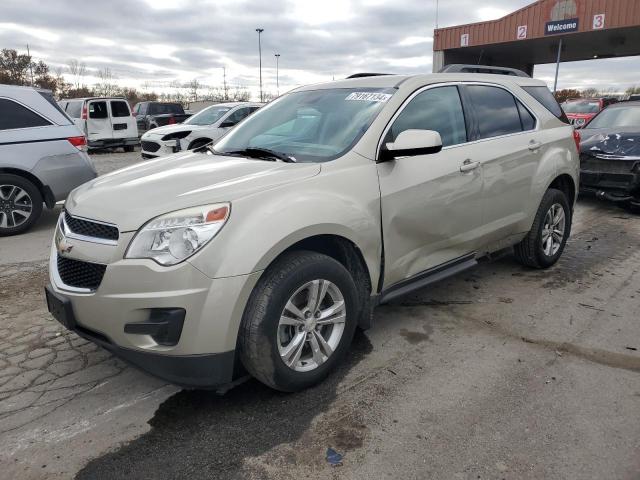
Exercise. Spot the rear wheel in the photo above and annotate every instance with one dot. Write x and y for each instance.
(20, 204)
(299, 321)
(548, 236)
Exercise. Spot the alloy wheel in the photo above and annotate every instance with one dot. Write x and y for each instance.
(311, 325)
(16, 206)
(553, 230)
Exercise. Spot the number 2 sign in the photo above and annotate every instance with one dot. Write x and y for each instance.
(521, 33)
(598, 21)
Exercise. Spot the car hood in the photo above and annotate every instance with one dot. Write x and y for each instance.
(178, 127)
(132, 196)
(620, 143)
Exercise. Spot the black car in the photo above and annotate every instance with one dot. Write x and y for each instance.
(610, 154)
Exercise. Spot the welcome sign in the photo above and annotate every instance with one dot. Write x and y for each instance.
(561, 26)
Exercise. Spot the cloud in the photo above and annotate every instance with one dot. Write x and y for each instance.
(160, 41)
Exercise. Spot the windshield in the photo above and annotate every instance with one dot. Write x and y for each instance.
(617, 117)
(208, 116)
(581, 107)
(309, 126)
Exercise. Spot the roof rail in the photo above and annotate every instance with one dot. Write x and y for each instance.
(360, 75)
(461, 68)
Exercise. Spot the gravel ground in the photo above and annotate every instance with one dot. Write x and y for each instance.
(500, 372)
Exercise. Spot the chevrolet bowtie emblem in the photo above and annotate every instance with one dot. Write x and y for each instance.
(64, 246)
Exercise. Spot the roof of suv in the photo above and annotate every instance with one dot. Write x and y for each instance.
(394, 81)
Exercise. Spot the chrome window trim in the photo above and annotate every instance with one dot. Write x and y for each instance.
(455, 84)
(66, 230)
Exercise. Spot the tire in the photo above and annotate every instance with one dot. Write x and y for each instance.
(20, 204)
(129, 148)
(263, 340)
(531, 251)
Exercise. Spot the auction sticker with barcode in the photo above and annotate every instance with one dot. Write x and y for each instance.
(369, 96)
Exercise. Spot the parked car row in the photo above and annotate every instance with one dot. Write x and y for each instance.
(204, 127)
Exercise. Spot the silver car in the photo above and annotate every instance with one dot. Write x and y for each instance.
(42, 156)
(267, 250)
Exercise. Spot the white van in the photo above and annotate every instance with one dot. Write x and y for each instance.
(106, 122)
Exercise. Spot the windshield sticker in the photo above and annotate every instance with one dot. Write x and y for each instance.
(369, 96)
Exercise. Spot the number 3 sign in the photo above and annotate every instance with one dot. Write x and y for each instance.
(598, 21)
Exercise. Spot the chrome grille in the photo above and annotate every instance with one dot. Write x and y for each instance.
(90, 228)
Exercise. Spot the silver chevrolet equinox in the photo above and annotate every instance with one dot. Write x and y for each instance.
(263, 253)
(42, 156)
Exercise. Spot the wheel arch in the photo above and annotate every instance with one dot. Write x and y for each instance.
(565, 183)
(44, 190)
(198, 140)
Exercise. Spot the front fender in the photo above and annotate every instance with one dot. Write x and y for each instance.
(343, 200)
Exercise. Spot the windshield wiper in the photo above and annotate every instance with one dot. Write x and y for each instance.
(257, 152)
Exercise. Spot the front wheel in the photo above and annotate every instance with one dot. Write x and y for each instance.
(20, 204)
(548, 236)
(299, 321)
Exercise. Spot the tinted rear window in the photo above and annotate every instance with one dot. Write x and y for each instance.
(14, 115)
(496, 111)
(119, 109)
(164, 108)
(98, 110)
(546, 98)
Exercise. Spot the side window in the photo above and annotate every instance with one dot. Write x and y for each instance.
(119, 108)
(14, 115)
(98, 110)
(238, 115)
(74, 109)
(526, 119)
(496, 111)
(436, 109)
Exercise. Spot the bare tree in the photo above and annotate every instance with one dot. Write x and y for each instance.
(194, 85)
(106, 87)
(77, 71)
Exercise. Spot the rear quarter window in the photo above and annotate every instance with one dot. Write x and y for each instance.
(548, 101)
(13, 115)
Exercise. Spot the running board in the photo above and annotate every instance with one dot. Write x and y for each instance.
(428, 277)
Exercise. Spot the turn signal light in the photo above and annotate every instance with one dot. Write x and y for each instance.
(217, 215)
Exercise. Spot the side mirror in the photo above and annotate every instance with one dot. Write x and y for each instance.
(226, 124)
(411, 143)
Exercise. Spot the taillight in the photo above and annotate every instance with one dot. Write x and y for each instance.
(79, 142)
(576, 138)
(84, 112)
(172, 120)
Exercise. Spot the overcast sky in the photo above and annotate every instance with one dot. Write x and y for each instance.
(160, 41)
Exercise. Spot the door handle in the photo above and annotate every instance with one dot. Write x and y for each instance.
(468, 165)
(533, 145)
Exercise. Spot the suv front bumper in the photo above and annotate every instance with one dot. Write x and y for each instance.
(132, 291)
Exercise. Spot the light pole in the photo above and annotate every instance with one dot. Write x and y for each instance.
(260, 30)
(277, 75)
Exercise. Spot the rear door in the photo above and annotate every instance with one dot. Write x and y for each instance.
(98, 120)
(124, 124)
(431, 204)
(509, 146)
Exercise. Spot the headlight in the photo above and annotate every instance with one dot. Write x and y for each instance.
(174, 237)
(176, 135)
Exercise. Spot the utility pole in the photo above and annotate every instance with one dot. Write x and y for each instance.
(277, 74)
(224, 83)
(555, 82)
(437, 14)
(260, 30)
(30, 64)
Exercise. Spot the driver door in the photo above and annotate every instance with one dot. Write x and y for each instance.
(431, 204)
